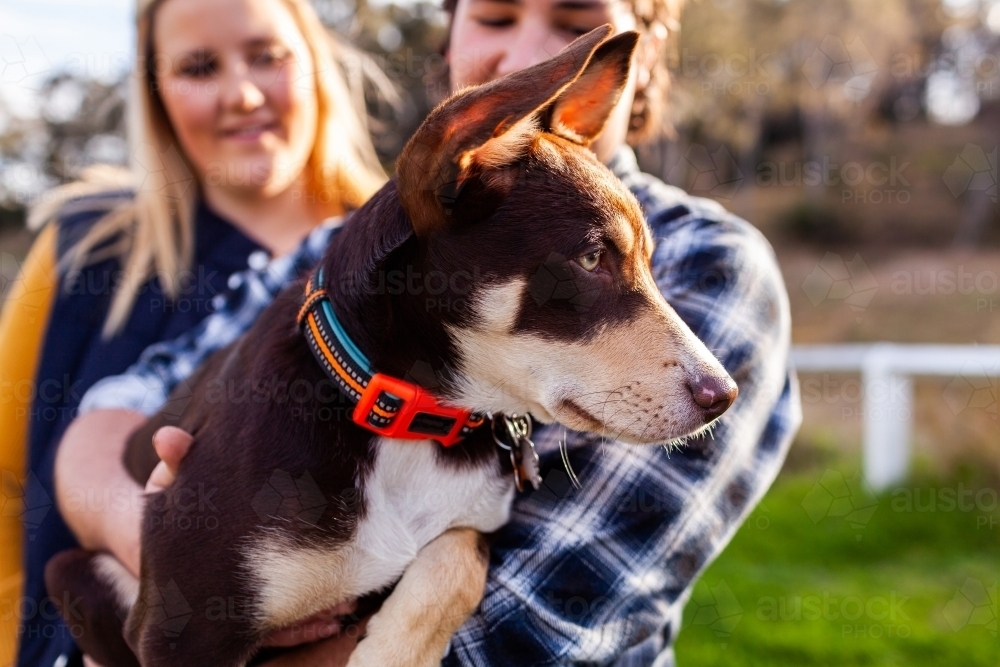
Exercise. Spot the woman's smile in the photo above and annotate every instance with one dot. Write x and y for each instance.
(250, 132)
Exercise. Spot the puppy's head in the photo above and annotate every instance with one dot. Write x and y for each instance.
(565, 321)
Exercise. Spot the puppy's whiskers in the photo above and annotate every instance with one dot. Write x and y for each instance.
(564, 454)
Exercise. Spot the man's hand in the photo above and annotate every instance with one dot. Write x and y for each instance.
(89, 465)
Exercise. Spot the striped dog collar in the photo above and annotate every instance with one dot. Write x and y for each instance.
(388, 406)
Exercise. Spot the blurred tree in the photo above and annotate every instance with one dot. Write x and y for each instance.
(85, 123)
(22, 149)
(80, 123)
(399, 48)
(815, 77)
(819, 69)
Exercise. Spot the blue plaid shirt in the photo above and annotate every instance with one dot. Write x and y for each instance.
(597, 574)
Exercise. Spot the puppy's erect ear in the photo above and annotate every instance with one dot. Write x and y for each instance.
(502, 112)
(581, 110)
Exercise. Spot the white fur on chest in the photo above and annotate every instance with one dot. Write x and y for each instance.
(410, 499)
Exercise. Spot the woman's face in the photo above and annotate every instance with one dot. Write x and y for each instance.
(237, 82)
(491, 38)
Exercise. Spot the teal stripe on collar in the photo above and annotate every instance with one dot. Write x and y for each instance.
(342, 337)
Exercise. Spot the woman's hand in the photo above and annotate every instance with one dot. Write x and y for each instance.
(171, 445)
(97, 497)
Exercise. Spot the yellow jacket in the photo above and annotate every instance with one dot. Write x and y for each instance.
(23, 322)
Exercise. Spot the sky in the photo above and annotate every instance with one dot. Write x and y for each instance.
(88, 37)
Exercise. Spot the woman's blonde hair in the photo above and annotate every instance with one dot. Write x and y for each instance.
(152, 232)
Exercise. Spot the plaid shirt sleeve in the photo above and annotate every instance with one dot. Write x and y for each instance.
(598, 575)
(145, 386)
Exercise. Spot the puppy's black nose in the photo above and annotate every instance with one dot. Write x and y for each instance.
(713, 394)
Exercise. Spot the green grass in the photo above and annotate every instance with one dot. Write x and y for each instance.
(823, 573)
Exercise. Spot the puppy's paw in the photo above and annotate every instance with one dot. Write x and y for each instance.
(398, 651)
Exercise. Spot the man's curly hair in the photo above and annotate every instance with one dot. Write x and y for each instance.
(649, 119)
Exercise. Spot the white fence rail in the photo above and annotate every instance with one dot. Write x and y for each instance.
(887, 372)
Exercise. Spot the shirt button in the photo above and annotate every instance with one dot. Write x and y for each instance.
(258, 259)
(235, 280)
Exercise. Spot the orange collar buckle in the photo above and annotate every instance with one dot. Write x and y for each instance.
(420, 417)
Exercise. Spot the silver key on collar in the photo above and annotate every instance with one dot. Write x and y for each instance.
(528, 468)
(523, 456)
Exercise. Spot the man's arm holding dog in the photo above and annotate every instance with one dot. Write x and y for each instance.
(90, 453)
(622, 553)
(632, 541)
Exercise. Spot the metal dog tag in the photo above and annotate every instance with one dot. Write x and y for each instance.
(523, 457)
(529, 464)
(522, 452)
(515, 455)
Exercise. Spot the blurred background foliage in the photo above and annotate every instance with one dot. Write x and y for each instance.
(762, 89)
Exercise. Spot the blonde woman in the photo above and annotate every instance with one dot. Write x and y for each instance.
(244, 140)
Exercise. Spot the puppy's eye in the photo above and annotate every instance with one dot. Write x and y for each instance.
(590, 261)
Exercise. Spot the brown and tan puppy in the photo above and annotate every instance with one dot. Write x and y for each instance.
(545, 305)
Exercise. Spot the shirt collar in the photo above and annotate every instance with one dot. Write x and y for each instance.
(623, 163)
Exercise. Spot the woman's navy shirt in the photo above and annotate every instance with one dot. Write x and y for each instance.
(73, 357)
